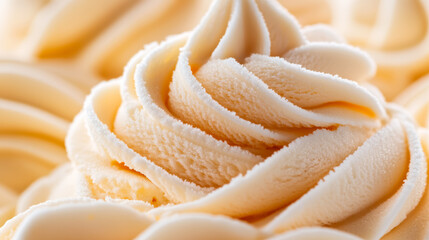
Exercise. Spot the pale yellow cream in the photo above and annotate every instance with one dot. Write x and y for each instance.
(394, 32)
(247, 127)
(415, 100)
(99, 35)
(82, 218)
(309, 12)
(37, 103)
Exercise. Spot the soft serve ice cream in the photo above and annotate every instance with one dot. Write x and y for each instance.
(309, 12)
(414, 99)
(100, 35)
(395, 33)
(116, 221)
(37, 103)
(242, 118)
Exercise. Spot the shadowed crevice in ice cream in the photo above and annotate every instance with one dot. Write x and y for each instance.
(206, 120)
(247, 118)
(158, 104)
(414, 100)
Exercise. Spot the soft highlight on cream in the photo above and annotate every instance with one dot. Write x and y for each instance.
(37, 103)
(248, 127)
(98, 35)
(395, 33)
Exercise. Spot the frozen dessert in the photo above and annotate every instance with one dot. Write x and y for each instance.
(309, 12)
(249, 127)
(415, 100)
(37, 103)
(119, 221)
(395, 33)
(100, 35)
(185, 133)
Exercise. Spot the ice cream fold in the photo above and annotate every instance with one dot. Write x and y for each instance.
(395, 33)
(97, 35)
(247, 118)
(37, 103)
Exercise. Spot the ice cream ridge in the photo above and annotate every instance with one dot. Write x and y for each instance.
(37, 104)
(248, 127)
(414, 100)
(395, 33)
(98, 35)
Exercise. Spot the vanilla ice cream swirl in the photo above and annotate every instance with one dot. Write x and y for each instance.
(244, 116)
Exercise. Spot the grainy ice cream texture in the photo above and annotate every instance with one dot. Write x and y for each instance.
(247, 127)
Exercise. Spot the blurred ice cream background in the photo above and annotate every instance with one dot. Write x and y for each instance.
(98, 35)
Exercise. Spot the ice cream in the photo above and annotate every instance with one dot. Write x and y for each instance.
(68, 219)
(395, 33)
(414, 99)
(247, 125)
(245, 107)
(309, 12)
(100, 35)
(37, 103)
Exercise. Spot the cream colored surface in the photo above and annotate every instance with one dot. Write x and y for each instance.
(309, 12)
(60, 184)
(394, 32)
(76, 218)
(98, 34)
(80, 218)
(415, 100)
(315, 234)
(243, 126)
(37, 102)
(246, 117)
(417, 223)
(91, 219)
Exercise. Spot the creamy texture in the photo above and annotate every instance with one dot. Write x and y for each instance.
(415, 100)
(90, 219)
(395, 33)
(37, 103)
(154, 103)
(308, 12)
(246, 117)
(100, 35)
